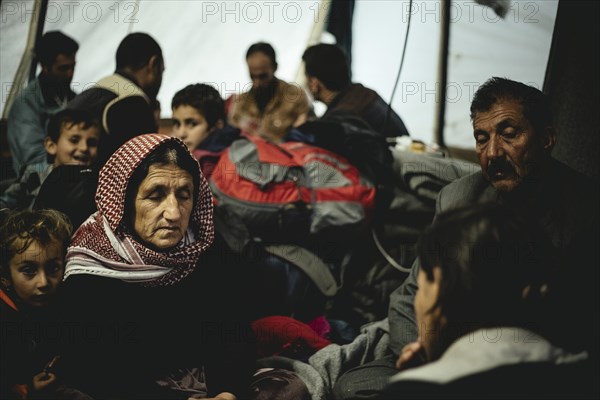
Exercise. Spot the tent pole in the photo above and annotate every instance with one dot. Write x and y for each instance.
(22, 73)
(315, 35)
(38, 35)
(442, 76)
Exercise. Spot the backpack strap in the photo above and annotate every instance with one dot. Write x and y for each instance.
(308, 262)
(123, 88)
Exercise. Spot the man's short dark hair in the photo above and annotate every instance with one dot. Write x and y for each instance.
(204, 98)
(329, 64)
(136, 50)
(52, 44)
(536, 107)
(69, 117)
(265, 48)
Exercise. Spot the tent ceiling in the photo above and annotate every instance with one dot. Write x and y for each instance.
(205, 41)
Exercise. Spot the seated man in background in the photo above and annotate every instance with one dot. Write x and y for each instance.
(512, 126)
(328, 79)
(44, 96)
(124, 102)
(267, 95)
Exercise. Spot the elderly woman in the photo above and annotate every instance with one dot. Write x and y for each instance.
(486, 284)
(147, 285)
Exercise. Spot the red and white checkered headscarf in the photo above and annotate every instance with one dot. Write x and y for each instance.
(103, 245)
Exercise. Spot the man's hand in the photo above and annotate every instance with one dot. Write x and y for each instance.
(413, 354)
(42, 380)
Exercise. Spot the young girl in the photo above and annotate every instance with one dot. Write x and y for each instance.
(33, 247)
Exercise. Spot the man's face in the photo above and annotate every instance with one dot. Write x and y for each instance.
(312, 84)
(506, 144)
(156, 71)
(62, 69)
(261, 69)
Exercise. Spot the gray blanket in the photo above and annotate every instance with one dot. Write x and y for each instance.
(328, 364)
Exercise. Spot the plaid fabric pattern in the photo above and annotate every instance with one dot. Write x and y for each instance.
(110, 200)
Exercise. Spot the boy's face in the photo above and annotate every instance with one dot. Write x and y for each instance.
(190, 126)
(36, 273)
(75, 145)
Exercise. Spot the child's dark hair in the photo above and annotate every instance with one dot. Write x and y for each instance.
(205, 99)
(67, 118)
(20, 228)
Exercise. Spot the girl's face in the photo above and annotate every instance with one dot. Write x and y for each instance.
(36, 273)
(190, 126)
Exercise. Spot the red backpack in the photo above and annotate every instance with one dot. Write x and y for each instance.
(286, 192)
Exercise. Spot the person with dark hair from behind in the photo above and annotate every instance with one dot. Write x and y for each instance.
(44, 96)
(199, 121)
(72, 140)
(483, 315)
(514, 137)
(124, 101)
(328, 80)
(267, 95)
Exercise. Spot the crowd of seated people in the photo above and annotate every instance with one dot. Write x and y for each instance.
(119, 277)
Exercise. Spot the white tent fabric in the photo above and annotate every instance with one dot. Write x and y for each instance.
(206, 41)
(481, 45)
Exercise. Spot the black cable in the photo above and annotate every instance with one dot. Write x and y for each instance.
(381, 249)
(389, 111)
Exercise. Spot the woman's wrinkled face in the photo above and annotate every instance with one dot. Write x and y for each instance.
(163, 206)
(36, 272)
(429, 319)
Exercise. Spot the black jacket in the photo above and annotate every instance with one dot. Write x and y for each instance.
(123, 337)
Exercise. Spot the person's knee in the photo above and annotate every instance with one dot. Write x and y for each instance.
(366, 381)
